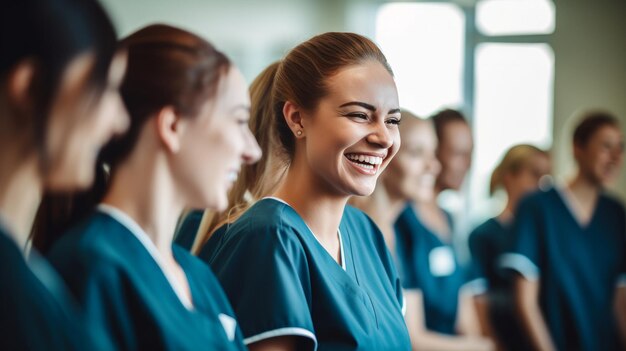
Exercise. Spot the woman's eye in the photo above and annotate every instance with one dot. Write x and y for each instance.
(358, 115)
(394, 121)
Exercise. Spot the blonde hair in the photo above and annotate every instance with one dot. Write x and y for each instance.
(259, 179)
(513, 161)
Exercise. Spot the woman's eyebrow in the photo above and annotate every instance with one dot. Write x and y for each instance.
(361, 104)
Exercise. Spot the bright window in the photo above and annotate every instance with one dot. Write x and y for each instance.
(424, 45)
(515, 17)
(513, 104)
(511, 83)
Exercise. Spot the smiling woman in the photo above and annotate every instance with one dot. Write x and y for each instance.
(303, 270)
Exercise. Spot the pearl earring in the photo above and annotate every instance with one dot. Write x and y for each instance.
(299, 133)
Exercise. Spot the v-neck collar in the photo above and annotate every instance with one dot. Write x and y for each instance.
(152, 250)
(569, 208)
(341, 250)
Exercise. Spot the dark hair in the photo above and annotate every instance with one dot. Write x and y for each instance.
(51, 33)
(301, 77)
(589, 123)
(166, 66)
(443, 118)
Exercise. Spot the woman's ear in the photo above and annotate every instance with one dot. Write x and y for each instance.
(19, 85)
(170, 128)
(293, 117)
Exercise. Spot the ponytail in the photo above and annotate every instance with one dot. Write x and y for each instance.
(514, 160)
(262, 178)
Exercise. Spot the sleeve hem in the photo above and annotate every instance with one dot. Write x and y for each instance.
(475, 287)
(288, 331)
(521, 264)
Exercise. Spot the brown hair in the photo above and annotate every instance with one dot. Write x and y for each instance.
(167, 66)
(514, 160)
(443, 118)
(258, 179)
(589, 123)
(301, 77)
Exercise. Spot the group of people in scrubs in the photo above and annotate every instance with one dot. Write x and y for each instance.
(151, 200)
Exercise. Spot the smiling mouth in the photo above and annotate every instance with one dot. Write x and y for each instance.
(366, 164)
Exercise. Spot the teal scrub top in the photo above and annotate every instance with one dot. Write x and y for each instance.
(578, 267)
(36, 310)
(186, 233)
(120, 284)
(428, 264)
(281, 281)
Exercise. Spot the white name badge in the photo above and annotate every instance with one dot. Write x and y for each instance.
(441, 261)
(229, 324)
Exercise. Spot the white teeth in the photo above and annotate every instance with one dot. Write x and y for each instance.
(371, 160)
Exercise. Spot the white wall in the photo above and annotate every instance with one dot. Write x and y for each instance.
(590, 69)
(252, 33)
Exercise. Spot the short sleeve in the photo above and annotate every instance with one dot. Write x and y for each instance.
(264, 273)
(523, 252)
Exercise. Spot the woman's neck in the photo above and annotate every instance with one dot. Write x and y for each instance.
(142, 187)
(318, 207)
(582, 188)
(393, 205)
(506, 216)
(433, 218)
(384, 208)
(21, 187)
(508, 212)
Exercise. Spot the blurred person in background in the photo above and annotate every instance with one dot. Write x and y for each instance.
(519, 173)
(454, 149)
(59, 104)
(569, 249)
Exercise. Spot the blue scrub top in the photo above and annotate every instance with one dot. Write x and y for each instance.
(578, 267)
(487, 243)
(36, 311)
(281, 281)
(430, 265)
(186, 233)
(121, 286)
